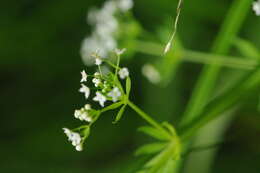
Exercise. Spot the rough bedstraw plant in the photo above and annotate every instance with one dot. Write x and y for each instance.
(112, 89)
(109, 88)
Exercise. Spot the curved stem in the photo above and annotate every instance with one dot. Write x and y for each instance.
(145, 116)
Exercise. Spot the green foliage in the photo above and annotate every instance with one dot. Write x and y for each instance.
(155, 133)
(151, 148)
(119, 114)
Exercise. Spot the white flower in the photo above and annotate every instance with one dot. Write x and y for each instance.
(120, 51)
(151, 73)
(84, 76)
(123, 73)
(83, 115)
(74, 138)
(256, 7)
(96, 81)
(125, 5)
(96, 74)
(98, 61)
(84, 89)
(79, 147)
(100, 98)
(87, 106)
(115, 94)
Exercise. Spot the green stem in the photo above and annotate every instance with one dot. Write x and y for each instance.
(145, 116)
(117, 65)
(242, 63)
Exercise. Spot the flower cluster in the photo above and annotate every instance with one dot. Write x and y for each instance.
(105, 28)
(256, 7)
(74, 138)
(107, 88)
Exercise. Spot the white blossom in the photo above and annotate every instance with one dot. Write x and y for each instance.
(84, 89)
(83, 115)
(256, 7)
(123, 73)
(98, 61)
(115, 94)
(87, 106)
(151, 73)
(96, 82)
(84, 76)
(125, 5)
(100, 98)
(105, 26)
(96, 74)
(74, 138)
(79, 147)
(120, 51)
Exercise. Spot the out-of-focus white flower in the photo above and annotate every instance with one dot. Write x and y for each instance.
(125, 5)
(84, 76)
(96, 74)
(74, 138)
(79, 147)
(105, 26)
(115, 94)
(84, 89)
(87, 106)
(100, 98)
(123, 73)
(96, 82)
(151, 73)
(120, 51)
(98, 61)
(256, 7)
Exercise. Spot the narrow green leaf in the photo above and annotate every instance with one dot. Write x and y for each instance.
(168, 167)
(246, 48)
(119, 114)
(128, 86)
(157, 162)
(111, 107)
(170, 128)
(150, 148)
(153, 132)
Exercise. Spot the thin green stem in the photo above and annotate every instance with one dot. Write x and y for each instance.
(242, 63)
(146, 117)
(117, 65)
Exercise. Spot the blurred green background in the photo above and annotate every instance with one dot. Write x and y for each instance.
(39, 77)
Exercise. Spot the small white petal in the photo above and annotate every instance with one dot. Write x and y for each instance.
(125, 5)
(100, 98)
(79, 147)
(123, 73)
(84, 89)
(98, 61)
(87, 106)
(115, 94)
(256, 7)
(120, 51)
(83, 76)
(96, 81)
